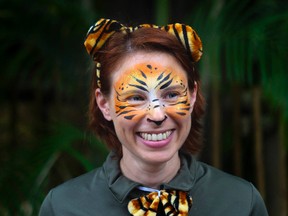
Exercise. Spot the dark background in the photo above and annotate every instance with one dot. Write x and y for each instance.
(44, 85)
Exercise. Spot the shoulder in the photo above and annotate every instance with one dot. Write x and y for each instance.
(88, 194)
(82, 183)
(203, 174)
(221, 182)
(211, 175)
(218, 191)
(75, 193)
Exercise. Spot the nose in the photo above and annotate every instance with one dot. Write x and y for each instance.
(156, 115)
(158, 123)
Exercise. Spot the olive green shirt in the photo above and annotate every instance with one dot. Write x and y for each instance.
(106, 192)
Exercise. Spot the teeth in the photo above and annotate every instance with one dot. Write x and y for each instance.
(155, 137)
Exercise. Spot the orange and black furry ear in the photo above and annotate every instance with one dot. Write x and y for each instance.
(103, 29)
(188, 37)
(99, 33)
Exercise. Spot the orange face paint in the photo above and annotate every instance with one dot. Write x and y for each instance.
(146, 87)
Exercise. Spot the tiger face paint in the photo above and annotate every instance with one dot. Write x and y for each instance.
(149, 86)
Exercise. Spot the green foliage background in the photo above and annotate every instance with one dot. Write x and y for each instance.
(44, 91)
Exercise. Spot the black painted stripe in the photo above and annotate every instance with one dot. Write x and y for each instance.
(140, 81)
(163, 80)
(143, 74)
(166, 84)
(181, 113)
(139, 87)
(124, 112)
(129, 117)
(160, 76)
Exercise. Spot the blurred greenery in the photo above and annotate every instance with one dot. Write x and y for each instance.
(45, 79)
(43, 67)
(246, 44)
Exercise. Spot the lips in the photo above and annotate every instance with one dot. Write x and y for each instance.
(156, 136)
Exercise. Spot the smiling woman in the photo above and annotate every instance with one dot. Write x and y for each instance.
(122, 45)
(150, 100)
(146, 104)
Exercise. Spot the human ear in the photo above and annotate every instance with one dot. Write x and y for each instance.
(103, 104)
(193, 95)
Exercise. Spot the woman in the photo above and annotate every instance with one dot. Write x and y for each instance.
(146, 104)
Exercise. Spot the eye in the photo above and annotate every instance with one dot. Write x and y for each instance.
(135, 98)
(171, 95)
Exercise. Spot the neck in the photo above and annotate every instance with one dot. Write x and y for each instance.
(150, 174)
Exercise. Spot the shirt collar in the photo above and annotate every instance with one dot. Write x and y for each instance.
(185, 178)
(121, 186)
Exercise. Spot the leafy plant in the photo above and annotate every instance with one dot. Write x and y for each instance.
(245, 49)
(43, 68)
(245, 42)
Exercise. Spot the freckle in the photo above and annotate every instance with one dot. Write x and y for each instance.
(156, 68)
(122, 88)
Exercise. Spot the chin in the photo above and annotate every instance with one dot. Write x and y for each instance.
(158, 157)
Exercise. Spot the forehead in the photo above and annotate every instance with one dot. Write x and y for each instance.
(149, 64)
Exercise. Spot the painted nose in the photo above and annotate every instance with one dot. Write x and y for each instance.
(157, 115)
(158, 123)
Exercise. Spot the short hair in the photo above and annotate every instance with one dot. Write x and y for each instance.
(118, 46)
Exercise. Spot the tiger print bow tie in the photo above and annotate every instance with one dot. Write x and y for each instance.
(175, 203)
(103, 29)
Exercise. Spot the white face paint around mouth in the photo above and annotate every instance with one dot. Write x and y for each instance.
(155, 137)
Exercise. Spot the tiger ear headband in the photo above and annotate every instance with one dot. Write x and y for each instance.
(103, 29)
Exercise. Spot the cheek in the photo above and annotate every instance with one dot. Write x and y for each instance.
(180, 109)
(133, 115)
(126, 111)
(178, 112)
